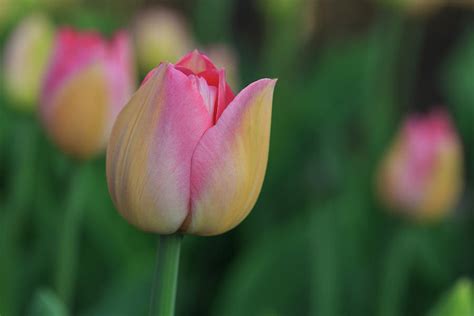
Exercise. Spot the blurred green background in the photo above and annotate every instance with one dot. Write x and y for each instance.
(318, 241)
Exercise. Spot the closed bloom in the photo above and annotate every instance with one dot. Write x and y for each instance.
(161, 34)
(88, 82)
(26, 57)
(186, 154)
(421, 174)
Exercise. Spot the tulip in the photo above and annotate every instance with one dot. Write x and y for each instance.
(160, 34)
(421, 174)
(26, 57)
(88, 82)
(185, 154)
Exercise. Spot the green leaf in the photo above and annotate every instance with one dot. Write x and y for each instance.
(459, 301)
(46, 303)
(271, 275)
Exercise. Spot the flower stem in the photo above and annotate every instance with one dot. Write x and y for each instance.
(68, 247)
(165, 282)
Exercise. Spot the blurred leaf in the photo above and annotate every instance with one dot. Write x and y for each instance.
(458, 83)
(209, 14)
(46, 303)
(271, 275)
(459, 301)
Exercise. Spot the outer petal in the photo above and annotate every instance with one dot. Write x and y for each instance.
(85, 95)
(72, 52)
(230, 161)
(150, 151)
(121, 76)
(445, 184)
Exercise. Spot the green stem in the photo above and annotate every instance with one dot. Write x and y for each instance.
(165, 282)
(14, 211)
(69, 235)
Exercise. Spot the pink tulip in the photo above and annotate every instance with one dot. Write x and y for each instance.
(421, 174)
(185, 154)
(88, 82)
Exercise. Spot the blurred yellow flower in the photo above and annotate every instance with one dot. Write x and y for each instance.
(160, 34)
(26, 57)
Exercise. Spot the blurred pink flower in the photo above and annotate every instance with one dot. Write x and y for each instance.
(187, 155)
(421, 173)
(88, 82)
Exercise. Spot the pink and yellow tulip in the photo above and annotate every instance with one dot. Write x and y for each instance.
(88, 82)
(186, 154)
(421, 174)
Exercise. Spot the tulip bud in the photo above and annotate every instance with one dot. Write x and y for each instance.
(26, 57)
(88, 82)
(225, 57)
(421, 174)
(160, 35)
(185, 154)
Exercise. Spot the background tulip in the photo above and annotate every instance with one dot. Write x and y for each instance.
(26, 57)
(225, 57)
(422, 171)
(185, 154)
(160, 34)
(88, 82)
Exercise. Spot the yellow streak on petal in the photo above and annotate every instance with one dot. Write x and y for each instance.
(78, 121)
(237, 179)
(445, 185)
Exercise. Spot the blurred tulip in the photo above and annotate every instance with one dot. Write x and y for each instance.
(26, 57)
(225, 57)
(185, 154)
(160, 34)
(421, 173)
(87, 84)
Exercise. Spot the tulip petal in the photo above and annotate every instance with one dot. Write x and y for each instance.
(229, 163)
(86, 96)
(72, 52)
(196, 62)
(150, 151)
(121, 75)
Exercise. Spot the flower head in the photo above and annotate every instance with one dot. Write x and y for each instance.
(186, 154)
(26, 57)
(89, 80)
(421, 173)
